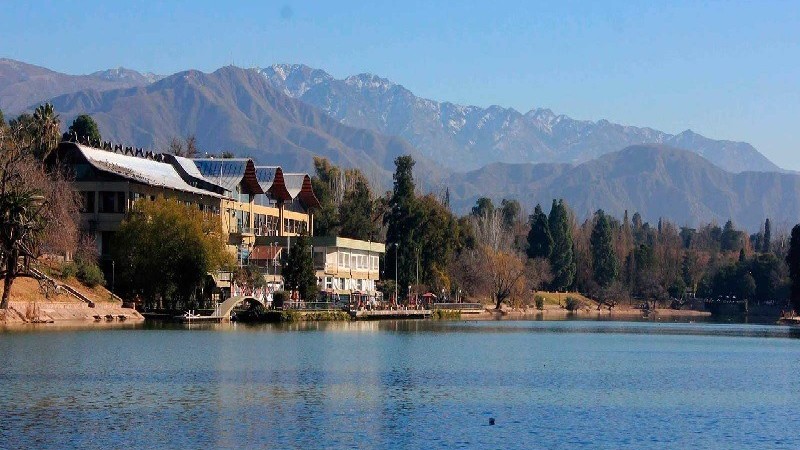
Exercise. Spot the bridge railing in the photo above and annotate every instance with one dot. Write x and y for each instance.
(310, 306)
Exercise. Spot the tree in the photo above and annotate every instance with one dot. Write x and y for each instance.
(540, 241)
(163, 250)
(356, 213)
(84, 128)
(483, 207)
(3, 120)
(766, 245)
(510, 210)
(604, 262)
(401, 220)
(187, 150)
(793, 260)
(506, 272)
(562, 259)
(298, 269)
(38, 209)
(47, 130)
(730, 239)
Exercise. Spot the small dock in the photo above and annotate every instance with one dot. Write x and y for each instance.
(367, 314)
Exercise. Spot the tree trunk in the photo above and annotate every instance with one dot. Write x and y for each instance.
(11, 273)
(498, 302)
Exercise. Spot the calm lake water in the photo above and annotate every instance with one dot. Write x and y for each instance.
(412, 384)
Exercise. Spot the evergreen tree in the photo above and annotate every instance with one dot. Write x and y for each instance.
(356, 212)
(540, 241)
(326, 219)
(766, 245)
(562, 258)
(604, 261)
(401, 223)
(298, 269)
(85, 128)
(793, 260)
(2, 119)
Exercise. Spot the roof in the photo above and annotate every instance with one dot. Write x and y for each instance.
(230, 172)
(299, 185)
(265, 252)
(187, 169)
(142, 170)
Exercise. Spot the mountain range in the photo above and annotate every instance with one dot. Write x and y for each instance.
(467, 137)
(286, 114)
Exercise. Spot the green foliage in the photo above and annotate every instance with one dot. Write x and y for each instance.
(572, 304)
(766, 245)
(510, 211)
(68, 270)
(793, 260)
(2, 119)
(356, 213)
(483, 207)
(85, 128)
(90, 274)
(279, 298)
(401, 221)
(326, 219)
(446, 314)
(562, 259)
(163, 250)
(540, 241)
(298, 269)
(539, 302)
(731, 239)
(604, 261)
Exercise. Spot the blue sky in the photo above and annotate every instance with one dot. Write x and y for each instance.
(728, 70)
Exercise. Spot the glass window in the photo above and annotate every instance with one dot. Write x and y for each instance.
(87, 201)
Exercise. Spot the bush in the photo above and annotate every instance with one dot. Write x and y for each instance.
(69, 270)
(539, 301)
(90, 275)
(446, 314)
(573, 304)
(278, 299)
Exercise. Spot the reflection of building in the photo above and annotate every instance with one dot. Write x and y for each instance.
(343, 265)
(250, 201)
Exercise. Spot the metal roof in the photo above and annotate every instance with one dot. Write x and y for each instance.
(230, 172)
(138, 169)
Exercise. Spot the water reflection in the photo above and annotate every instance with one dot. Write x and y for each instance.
(415, 384)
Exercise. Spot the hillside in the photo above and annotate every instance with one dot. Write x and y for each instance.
(23, 85)
(237, 110)
(468, 137)
(655, 180)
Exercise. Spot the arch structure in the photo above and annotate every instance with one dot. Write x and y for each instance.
(226, 307)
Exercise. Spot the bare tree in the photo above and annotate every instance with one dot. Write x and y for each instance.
(38, 210)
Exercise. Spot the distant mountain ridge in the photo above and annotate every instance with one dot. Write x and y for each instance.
(467, 137)
(655, 180)
(237, 110)
(22, 84)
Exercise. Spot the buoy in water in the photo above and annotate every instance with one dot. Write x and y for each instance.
(491, 420)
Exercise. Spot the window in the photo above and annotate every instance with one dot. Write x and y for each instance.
(112, 202)
(374, 260)
(344, 260)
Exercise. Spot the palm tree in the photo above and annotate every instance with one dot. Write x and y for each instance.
(47, 130)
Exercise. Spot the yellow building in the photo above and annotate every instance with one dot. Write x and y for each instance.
(249, 201)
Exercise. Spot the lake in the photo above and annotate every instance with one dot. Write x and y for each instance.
(404, 384)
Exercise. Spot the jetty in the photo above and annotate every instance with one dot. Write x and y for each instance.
(368, 314)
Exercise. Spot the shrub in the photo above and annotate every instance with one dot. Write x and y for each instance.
(90, 275)
(446, 314)
(279, 298)
(539, 301)
(573, 304)
(69, 270)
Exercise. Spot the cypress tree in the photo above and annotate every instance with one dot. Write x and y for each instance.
(298, 269)
(540, 241)
(766, 244)
(604, 261)
(562, 258)
(401, 222)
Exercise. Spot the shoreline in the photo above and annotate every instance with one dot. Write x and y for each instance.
(588, 314)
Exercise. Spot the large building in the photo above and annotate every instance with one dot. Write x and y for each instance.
(260, 207)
